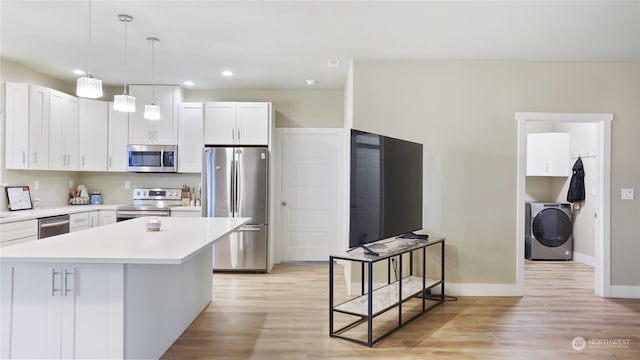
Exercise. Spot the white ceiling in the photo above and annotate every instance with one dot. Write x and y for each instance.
(278, 45)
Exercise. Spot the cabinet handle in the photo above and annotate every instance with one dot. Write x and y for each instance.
(82, 160)
(109, 162)
(24, 158)
(53, 282)
(238, 134)
(35, 158)
(66, 281)
(150, 135)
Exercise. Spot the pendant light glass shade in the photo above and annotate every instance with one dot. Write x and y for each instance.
(152, 111)
(88, 86)
(124, 102)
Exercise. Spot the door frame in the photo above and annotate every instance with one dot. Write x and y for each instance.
(602, 281)
(279, 134)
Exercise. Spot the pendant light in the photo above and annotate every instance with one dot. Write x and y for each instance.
(152, 111)
(88, 86)
(124, 102)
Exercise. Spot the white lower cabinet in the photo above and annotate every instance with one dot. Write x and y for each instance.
(79, 221)
(106, 217)
(18, 232)
(68, 310)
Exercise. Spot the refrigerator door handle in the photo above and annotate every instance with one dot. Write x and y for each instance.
(250, 228)
(238, 184)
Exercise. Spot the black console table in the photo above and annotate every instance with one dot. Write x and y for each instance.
(374, 302)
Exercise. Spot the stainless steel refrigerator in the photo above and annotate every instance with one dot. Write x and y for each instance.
(234, 184)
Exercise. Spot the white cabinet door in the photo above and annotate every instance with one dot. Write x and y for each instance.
(93, 219)
(163, 131)
(93, 311)
(106, 217)
(220, 123)
(17, 125)
(32, 297)
(93, 125)
(62, 310)
(548, 154)
(117, 140)
(63, 131)
(190, 137)
(253, 123)
(38, 127)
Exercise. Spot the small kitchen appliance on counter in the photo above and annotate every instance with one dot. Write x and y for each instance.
(150, 202)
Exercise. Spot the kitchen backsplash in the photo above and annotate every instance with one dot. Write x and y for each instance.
(53, 186)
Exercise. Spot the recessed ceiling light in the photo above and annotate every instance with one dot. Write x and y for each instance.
(311, 82)
(78, 72)
(188, 83)
(227, 73)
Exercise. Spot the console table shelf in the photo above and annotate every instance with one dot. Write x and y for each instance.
(394, 294)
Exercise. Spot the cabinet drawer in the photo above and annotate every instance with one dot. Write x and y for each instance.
(18, 230)
(79, 221)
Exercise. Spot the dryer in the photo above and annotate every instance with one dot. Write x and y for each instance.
(548, 231)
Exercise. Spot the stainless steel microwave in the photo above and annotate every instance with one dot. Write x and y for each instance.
(152, 158)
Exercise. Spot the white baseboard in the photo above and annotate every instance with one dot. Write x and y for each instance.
(624, 291)
(585, 259)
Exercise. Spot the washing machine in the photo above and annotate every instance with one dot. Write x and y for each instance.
(548, 231)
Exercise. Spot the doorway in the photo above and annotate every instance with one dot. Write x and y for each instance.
(602, 189)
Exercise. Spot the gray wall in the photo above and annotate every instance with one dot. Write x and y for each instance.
(464, 114)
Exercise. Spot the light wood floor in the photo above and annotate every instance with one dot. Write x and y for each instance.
(285, 315)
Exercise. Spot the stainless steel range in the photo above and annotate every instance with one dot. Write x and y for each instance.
(150, 202)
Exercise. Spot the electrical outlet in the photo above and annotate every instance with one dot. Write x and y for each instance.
(70, 184)
(36, 185)
(627, 194)
(127, 185)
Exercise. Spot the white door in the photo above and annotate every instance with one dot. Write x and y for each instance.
(310, 193)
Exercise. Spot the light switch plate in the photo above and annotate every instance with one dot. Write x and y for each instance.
(36, 185)
(127, 185)
(627, 194)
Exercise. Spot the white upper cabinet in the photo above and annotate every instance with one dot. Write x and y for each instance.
(38, 127)
(163, 131)
(17, 125)
(237, 123)
(190, 137)
(548, 154)
(93, 129)
(63, 131)
(117, 140)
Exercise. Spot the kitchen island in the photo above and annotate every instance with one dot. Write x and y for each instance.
(116, 291)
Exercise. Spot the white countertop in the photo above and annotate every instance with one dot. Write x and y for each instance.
(127, 242)
(20, 215)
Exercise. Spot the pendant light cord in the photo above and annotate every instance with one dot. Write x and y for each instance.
(153, 65)
(90, 54)
(125, 56)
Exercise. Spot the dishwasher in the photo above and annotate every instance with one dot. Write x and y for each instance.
(54, 225)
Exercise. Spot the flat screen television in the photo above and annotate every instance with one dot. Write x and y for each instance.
(386, 187)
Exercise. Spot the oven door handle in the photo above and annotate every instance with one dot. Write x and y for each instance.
(142, 213)
(57, 223)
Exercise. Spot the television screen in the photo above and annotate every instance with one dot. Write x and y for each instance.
(386, 187)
